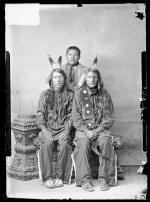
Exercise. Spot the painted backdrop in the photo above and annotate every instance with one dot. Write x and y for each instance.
(113, 33)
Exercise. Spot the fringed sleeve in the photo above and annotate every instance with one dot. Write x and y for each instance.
(41, 111)
(68, 122)
(69, 110)
(108, 116)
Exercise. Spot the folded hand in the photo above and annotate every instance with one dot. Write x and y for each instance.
(92, 135)
(47, 135)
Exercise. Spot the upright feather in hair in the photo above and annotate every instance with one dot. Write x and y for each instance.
(95, 61)
(60, 61)
(81, 80)
(51, 60)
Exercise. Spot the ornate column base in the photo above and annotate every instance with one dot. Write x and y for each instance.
(25, 163)
(20, 169)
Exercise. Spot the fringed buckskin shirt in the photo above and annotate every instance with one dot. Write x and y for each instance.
(74, 73)
(54, 111)
(92, 110)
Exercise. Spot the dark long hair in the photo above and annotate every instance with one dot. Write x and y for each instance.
(96, 71)
(59, 70)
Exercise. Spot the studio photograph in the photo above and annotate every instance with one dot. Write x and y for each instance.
(76, 87)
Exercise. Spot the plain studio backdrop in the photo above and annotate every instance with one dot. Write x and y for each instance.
(110, 32)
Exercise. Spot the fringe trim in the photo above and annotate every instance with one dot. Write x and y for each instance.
(39, 167)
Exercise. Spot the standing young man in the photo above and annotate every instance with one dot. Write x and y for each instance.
(73, 69)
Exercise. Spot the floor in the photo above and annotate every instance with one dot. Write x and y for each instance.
(33, 189)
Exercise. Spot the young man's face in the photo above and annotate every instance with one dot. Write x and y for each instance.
(72, 56)
(91, 79)
(57, 80)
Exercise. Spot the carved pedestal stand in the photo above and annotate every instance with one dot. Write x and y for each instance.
(25, 164)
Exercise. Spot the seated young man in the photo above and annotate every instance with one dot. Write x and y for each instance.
(54, 119)
(93, 115)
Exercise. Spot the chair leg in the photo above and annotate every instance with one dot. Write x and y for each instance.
(120, 173)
